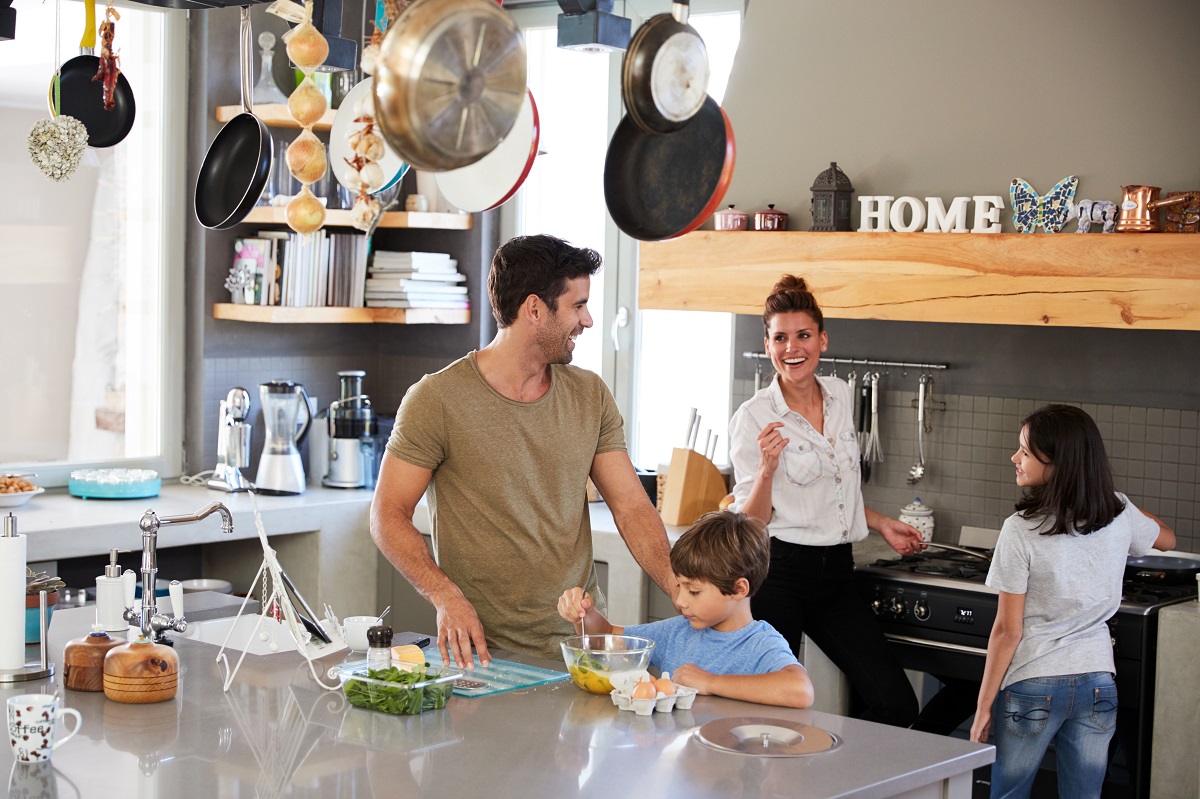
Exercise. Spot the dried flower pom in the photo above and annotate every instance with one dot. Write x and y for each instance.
(56, 145)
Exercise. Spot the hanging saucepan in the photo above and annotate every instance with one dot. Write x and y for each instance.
(238, 161)
(83, 98)
(664, 77)
(494, 179)
(659, 186)
(1163, 569)
(449, 82)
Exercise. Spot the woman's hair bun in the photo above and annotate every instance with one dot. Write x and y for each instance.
(790, 283)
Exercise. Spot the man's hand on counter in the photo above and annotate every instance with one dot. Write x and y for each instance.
(458, 629)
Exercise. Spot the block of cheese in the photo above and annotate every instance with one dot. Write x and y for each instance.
(409, 657)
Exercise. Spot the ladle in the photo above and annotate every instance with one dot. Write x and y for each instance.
(918, 469)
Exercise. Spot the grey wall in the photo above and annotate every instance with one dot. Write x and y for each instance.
(946, 98)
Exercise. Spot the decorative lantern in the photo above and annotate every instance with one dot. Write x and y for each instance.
(831, 200)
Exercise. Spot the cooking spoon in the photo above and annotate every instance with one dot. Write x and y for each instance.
(918, 469)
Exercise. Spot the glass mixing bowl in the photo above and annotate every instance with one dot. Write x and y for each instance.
(593, 660)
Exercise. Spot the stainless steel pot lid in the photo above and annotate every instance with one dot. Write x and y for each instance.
(766, 737)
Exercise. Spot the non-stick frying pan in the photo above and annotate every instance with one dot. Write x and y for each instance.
(664, 76)
(1166, 569)
(238, 161)
(83, 98)
(659, 186)
(493, 179)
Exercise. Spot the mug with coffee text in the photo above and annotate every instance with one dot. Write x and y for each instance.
(33, 722)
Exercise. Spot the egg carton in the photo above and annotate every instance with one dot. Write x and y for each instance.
(622, 697)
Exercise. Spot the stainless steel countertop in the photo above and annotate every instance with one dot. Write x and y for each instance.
(275, 733)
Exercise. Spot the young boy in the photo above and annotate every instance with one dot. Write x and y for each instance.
(715, 645)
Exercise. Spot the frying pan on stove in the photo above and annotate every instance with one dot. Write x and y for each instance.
(1164, 569)
(238, 161)
(83, 98)
(661, 185)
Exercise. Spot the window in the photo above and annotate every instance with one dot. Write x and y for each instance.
(665, 362)
(91, 298)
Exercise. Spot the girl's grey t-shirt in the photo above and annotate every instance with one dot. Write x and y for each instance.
(1072, 586)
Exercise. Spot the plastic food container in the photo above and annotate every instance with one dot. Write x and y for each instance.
(399, 698)
(622, 697)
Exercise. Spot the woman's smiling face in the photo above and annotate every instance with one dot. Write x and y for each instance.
(795, 344)
(1031, 472)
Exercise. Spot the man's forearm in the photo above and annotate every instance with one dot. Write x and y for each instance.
(403, 545)
(644, 534)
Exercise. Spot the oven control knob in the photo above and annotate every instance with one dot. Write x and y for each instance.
(895, 607)
(877, 607)
(921, 610)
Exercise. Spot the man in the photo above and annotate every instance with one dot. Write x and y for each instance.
(504, 439)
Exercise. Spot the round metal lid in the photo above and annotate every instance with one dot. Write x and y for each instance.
(765, 737)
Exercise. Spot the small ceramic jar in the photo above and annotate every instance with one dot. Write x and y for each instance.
(730, 219)
(920, 516)
(770, 219)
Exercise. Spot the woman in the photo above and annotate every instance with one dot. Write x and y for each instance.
(1058, 565)
(795, 457)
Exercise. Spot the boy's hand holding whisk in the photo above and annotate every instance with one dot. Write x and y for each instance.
(576, 606)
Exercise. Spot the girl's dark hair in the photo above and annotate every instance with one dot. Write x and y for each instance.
(791, 294)
(1078, 497)
(722, 547)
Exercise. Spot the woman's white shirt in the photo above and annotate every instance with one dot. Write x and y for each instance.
(816, 495)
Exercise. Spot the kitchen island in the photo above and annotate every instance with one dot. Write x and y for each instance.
(276, 733)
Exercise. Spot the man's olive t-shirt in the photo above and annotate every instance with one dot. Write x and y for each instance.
(508, 498)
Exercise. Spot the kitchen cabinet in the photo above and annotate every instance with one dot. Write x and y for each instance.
(1126, 281)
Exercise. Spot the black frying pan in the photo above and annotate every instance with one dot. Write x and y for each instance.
(659, 186)
(83, 98)
(664, 75)
(1162, 569)
(238, 161)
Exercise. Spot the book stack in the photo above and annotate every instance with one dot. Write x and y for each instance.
(278, 268)
(415, 280)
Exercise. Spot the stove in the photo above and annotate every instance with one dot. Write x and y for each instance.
(937, 612)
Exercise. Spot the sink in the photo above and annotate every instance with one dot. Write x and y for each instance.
(244, 632)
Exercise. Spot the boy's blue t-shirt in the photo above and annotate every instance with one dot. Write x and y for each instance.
(756, 648)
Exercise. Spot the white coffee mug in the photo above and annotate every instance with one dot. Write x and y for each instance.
(354, 631)
(33, 721)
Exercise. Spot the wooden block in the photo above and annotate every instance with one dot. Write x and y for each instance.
(694, 487)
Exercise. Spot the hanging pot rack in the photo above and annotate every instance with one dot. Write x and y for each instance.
(906, 365)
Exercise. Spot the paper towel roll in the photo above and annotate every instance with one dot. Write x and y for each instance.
(12, 602)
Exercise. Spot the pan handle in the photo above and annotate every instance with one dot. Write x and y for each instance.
(245, 54)
(1151, 577)
(87, 45)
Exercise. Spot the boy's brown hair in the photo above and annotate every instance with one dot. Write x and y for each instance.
(722, 547)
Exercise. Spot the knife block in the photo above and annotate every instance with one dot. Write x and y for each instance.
(694, 487)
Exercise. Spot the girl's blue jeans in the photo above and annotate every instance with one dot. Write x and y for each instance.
(1078, 712)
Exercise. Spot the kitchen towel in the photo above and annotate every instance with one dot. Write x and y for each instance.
(12, 602)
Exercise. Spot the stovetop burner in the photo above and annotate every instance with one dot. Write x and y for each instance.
(952, 566)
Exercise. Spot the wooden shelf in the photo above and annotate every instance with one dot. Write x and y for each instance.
(270, 215)
(1114, 280)
(275, 116)
(278, 314)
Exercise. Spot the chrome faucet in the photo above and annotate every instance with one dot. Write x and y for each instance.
(152, 623)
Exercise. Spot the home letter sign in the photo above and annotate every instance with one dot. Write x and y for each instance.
(881, 213)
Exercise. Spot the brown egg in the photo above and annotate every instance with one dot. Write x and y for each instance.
(665, 686)
(644, 690)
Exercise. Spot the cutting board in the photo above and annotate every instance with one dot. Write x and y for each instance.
(498, 677)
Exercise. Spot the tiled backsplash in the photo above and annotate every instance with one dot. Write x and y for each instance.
(969, 478)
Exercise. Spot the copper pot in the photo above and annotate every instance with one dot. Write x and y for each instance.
(1137, 207)
(730, 219)
(770, 219)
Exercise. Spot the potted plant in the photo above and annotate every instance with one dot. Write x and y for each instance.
(35, 583)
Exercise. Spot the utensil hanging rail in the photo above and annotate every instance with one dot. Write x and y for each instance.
(863, 361)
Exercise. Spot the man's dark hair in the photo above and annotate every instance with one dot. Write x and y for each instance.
(539, 265)
(722, 547)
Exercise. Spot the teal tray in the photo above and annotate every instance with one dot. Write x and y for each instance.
(104, 489)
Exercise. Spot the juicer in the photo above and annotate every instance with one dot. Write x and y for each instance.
(233, 443)
(351, 426)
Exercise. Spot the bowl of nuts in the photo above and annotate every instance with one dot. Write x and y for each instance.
(16, 490)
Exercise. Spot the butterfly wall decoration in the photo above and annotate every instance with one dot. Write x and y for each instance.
(1050, 210)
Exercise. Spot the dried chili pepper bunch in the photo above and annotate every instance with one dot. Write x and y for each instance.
(56, 145)
(306, 158)
(110, 68)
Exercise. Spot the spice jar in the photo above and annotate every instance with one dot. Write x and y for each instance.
(730, 219)
(770, 219)
(379, 647)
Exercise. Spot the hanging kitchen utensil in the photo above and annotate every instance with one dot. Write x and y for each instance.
(345, 122)
(83, 98)
(494, 179)
(238, 162)
(664, 75)
(918, 469)
(874, 440)
(449, 82)
(659, 186)
(864, 430)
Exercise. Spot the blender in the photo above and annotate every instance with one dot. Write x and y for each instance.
(280, 470)
(351, 435)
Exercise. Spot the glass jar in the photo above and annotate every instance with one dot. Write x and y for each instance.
(379, 647)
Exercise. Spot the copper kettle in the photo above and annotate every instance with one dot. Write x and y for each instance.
(1138, 206)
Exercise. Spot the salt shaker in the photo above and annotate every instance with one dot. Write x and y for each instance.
(379, 647)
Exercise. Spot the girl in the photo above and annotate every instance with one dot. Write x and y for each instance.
(1058, 566)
